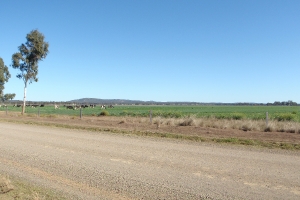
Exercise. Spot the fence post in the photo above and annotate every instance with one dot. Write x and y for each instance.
(80, 113)
(6, 110)
(267, 118)
(39, 112)
(150, 116)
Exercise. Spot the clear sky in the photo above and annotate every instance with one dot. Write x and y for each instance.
(162, 50)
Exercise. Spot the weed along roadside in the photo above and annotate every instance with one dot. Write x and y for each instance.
(281, 134)
(15, 188)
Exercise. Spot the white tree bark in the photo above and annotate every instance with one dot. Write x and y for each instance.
(24, 100)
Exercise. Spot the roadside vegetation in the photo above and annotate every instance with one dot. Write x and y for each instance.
(247, 118)
(11, 189)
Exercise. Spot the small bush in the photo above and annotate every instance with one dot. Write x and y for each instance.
(245, 128)
(284, 117)
(237, 116)
(51, 116)
(170, 122)
(221, 116)
(31, 115)
(104, 113)
(268, 129)
(167, 114)
(234, 116)
(157, 121)
(187, 122)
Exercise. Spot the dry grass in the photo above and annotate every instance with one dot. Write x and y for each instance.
(133, 128)
(187, 122)
(11, 188)
(245, 124)
(5, 185)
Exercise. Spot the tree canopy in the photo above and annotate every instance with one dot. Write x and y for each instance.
(26, 60)
(8, 97)
(4, 76)
(30, 53)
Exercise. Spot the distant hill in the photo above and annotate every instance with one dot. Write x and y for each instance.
(104, 101)
(124, 101)
(139, 102)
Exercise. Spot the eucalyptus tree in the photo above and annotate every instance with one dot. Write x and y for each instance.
(26, 60)
(7, 97)
(4, 76)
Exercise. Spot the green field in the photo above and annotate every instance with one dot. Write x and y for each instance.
(279, 113)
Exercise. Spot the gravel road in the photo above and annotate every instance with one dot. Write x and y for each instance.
(91, 165)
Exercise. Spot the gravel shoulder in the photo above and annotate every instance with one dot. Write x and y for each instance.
(97, 165)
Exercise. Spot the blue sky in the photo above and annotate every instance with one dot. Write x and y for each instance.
(162, 50)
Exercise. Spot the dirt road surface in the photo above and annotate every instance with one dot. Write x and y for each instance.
(91, 165)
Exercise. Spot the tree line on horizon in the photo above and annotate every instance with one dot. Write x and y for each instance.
(283, 103)
(26, 60)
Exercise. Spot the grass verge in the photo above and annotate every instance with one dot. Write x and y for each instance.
(234, 141)
(280, 145)
(16, 189)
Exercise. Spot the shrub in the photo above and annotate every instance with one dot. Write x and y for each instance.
(51, 116)
(170, 122)
(268, 129)
(234, 116)
(187, 122)
(221, 116)
(284, 117)
(104, 113)
(237, 116)
(157, 120)
(167, 114)
(245, 127)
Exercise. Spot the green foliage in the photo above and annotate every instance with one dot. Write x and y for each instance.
(104, 113)
(30, 53)
(7, 97)
(4, 76)
(238, 116)
(230, 116)
(284, 117)
(168, 114)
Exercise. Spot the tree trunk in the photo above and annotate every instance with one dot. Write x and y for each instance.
(24, 100)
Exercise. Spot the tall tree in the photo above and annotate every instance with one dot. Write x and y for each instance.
(4, 76)
(8, 97)
(26, 60)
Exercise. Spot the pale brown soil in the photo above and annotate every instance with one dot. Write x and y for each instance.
(143, 125)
